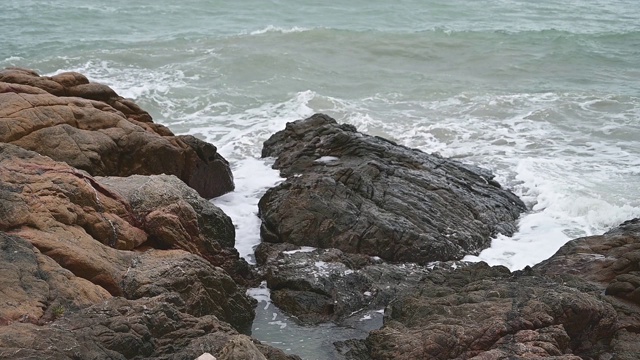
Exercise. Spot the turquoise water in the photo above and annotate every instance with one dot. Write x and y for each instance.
(546, 94)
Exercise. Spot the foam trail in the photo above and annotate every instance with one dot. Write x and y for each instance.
(252, 178)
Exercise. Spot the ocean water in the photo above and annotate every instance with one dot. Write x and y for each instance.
(546, 94)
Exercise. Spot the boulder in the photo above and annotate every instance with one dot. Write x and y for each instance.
(579, 304)
(479, 312)
(89, 229)
(241, 347)
(90, 127)
(367, 195)
(35, 289)
(328, 285)
(149, 328)
(202, 288)
(611, 260)
(176, 217)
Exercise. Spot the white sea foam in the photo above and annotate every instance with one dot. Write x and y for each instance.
(327, 159)
(302, 249)
(252, 178)
(278, 29)
(575, 184)
(133, 82)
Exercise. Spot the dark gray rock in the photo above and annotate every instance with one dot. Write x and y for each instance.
(487, 313)
(325, 285)
(571, 306)
(203, 288)
(367, 195)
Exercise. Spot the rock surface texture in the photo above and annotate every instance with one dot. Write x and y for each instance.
(323, 285)
(90, 127)
(67, 243)
(110, 267)
(367, 195)
(568, 307)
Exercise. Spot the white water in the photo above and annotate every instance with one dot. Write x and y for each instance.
(545, 94)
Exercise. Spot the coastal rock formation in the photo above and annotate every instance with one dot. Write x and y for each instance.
(111, 267)
(175, 216)
(568, 307)
(611, 260)
(367, 195)
(88, 230)
(149, 328)
(322, 285)
(90, 127)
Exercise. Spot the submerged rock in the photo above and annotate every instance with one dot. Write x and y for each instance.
(90, 127)
(367, 195)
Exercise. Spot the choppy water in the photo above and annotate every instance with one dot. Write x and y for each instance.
(546, 94)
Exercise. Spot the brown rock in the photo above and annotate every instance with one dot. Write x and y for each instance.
(611, 260)
(123, 329)
(203, 289)
(241, 347)
(35, 289)
(87, 227)
(90, 127)
(176, 217)
(485, 313)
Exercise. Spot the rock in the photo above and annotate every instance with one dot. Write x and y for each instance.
(367, 195)
(90, 127)
(176, 217)
(67, 216)
(89, 229)
(324, 285)
(570, 306)
(202, 288)
(240, 347)
(35, 289)
(487, 313)
(150, 328)
(611, 260)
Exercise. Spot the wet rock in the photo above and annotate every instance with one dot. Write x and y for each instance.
(322, 285)
(203, 289)
(611, 260)
(176, 217)
(487, 313)
(367, 195)
(90, 127)
(150, 328)
(563, 308)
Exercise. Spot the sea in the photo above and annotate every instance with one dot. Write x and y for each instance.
(545, 93)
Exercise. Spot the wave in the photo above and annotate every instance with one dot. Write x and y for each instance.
(277, 29)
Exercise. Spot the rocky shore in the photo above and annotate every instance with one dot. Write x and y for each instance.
(111, 250)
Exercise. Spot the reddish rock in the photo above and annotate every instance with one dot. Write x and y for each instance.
(35, 289)
(176, 217)
(90, 127)
(88, 228)
(119, 329)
